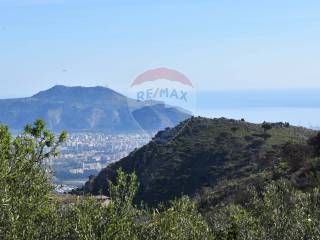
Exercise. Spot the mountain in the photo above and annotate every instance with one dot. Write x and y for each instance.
(214, 159)
(88, 109)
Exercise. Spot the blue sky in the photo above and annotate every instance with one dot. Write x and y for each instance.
(240, 44)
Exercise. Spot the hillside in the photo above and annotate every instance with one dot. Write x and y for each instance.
(87, 109)
(212, 159)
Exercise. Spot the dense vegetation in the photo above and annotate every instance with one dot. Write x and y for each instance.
(278, 211)
(28, 212)
(213, 160)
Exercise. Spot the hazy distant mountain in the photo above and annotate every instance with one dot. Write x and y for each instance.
(88, 109)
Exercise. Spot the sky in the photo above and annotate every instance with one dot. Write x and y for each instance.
(218, 45)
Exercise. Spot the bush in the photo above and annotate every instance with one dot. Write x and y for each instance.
(24, 183)
(281, 213)
(26, 213)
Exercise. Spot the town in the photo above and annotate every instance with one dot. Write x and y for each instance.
(85, 154)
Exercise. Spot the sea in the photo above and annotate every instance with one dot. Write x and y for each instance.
(304, 117)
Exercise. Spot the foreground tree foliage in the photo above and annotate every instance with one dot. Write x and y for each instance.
(24, 184)
(280, 212)
(27, 213)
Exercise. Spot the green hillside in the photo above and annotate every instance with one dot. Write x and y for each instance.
(213, 160)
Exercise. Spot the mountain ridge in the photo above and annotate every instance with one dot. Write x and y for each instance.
(84, 109)
(205, 157)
